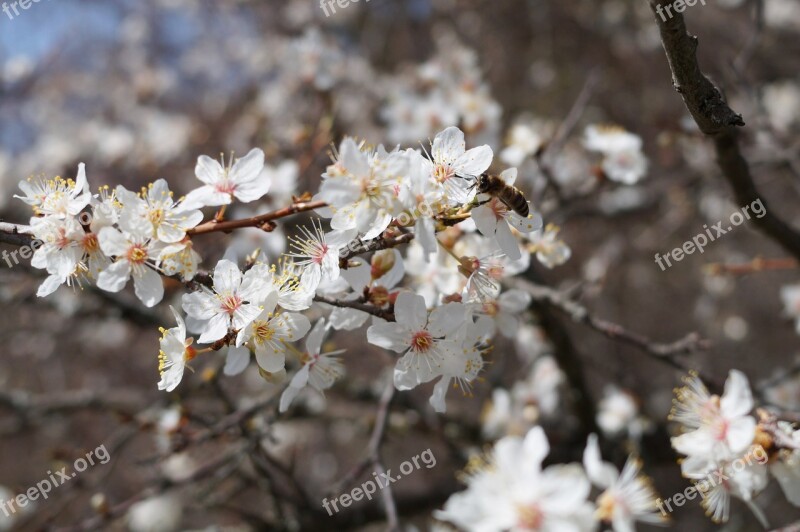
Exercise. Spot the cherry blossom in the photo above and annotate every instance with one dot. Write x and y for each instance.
(421, 338)
(233, 302)
(175, 352)
(135, 255)
(320, 370)
(242, 180)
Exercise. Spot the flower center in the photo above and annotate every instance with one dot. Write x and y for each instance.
(230, 303)
(61, 241)
(721, 430)
(137, 254)
(189, 353)
(530, 517)
(421, 341)
(495, 271)
(90, 243)
(156, 216)
(605, 506)
(499, 209)
(226, 187)
(443, 172)
(319, 253)
(262, 331)
(491, 308)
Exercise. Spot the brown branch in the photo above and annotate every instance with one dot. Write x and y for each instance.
(358, 247)
(758, 264)
(15, 234)
(358, 304)
(263, 221)
(717, 120)
(664, 352)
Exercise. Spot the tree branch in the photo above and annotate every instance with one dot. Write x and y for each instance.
(664, 352)
(15, 234)
(717, 120)
(264, 221)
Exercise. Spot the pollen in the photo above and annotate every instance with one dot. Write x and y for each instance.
(262, 331)
(156, 216)
(421, 341)
(605, 506)
(443, 172)
(137, 254)
(90, 243)
(530, 517)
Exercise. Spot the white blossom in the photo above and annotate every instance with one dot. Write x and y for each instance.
(233, 302)
(242, 180)
(320, 370)
(424, 340)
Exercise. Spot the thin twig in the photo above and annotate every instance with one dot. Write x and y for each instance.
(756, 265)
(664, 352)
(264, 221)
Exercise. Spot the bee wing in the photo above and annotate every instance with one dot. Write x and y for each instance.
(509, 175)
(461, 190)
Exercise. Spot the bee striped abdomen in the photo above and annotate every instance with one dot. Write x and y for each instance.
(510, 195)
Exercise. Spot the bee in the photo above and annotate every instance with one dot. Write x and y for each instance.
(496, 187)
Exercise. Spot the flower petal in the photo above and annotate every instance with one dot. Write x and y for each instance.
(148, 286)
(237, 360)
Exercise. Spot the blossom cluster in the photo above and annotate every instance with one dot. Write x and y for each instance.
(510, 490)
(719, 433)
(440, 320)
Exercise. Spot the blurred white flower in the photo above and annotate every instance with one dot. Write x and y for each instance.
(550, 250)
(628, 497)
(319, 370)
(510, 491)
(618, 413)
(786, 468)
(161, 513)
(623, 159)
(524, 140)
(790, 295)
